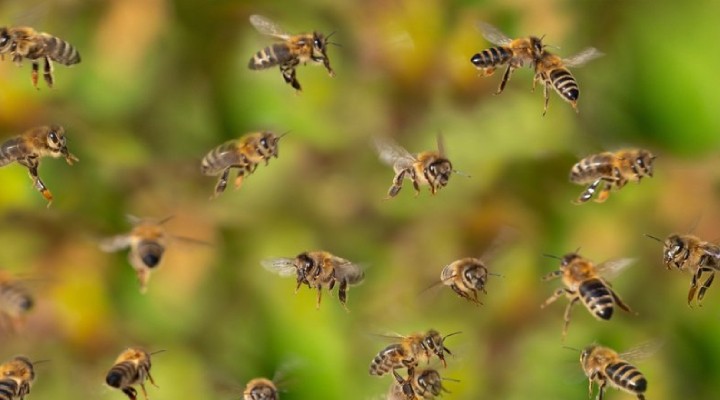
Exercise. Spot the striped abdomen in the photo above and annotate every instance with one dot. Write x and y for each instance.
(597, 297)
(278, 53)
(150, 252)
(565, 84)
(11, 150)
(492, 57)
(8, 389)
(592, 168)
(390, 358)
(627, 377)
(222, 157)
(60, 51)
(125, 374)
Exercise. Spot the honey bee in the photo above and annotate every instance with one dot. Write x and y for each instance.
(583, 281)
(516, 53)
(408, 352)
(466, 277)
(147, 241)
(24, 42)
(688, 252)
(604, 366)
(552, 71)
(430, 168)
(293, 50)
(132, 367)
(318, 269)
(16, 377)
(15, 302)
(244, 154)
(615, 169)
(422, 384)
(33, 144)
(260, 389)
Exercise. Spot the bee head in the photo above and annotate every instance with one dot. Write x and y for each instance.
(475, 276)
(267, 145)
(569, 258)
(319, 46)
(536, 46)
(430, 380)
(672, 247)
(585, 354)
(439, 171)
(5, 40)
(19, 367)
(55, 139)
(304, 264)
(644, 162)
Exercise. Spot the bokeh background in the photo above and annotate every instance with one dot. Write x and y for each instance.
(163, 82)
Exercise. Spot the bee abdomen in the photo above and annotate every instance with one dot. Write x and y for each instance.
(383, 361)
(270, 56)
(627, 376)
(62, 51)
(220, 158)
(492, 57)
(8, 389)
(120, 375)
(591, 168)
(598, 298)
(150, 252)
(565, 84)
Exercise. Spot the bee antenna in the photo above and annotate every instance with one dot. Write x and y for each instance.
(451, 334)
(34, 363)
(571, 348)
(461, 173)
(552, 256)
(496, 274)
(450, 380)
(283, 134)
(577, 250)
(166, 219)
(653, 237)
(330, 35)
(157, 352)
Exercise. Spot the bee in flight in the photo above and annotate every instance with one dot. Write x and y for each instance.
(515, 53)
(422, 384)
(583, 282)
(24, 42)
(132, 367)
(147, 241)
(612, 169)
(690, 253)
(293, 50)
(260, 389)
(466, 277)
(16, 377)
(27, 149)
(15, 302)
(318, 270)
(604, 366)
(552, 71)
(244, 154)
(408, 352)
(431, 168)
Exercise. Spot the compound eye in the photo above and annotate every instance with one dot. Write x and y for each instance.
(53, 137)
(317, 43)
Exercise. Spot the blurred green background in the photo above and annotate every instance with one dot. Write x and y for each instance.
(163, 82)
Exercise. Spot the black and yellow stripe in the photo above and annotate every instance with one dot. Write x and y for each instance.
(597, 297)
(492, 57)
(565, 84)
(627, 377)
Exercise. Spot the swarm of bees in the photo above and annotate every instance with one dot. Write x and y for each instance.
(24, 42)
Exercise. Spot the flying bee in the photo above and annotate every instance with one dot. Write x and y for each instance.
(24, 42)
(430, 168)
(615, 169)
(583, 281)
(147, 241)
(260, 389)
(688, 252)
(15, 302)
(604, 366)
(293, 50)
(244, 154)
(408, 352)
(132, 367)
(516, 53)
(552, 71)
(33, 144)
(422, 384)
(318, 269)
(16, 377)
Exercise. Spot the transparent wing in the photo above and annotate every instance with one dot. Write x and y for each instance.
(185, 239)
(284, 267)
(612, 268)
(583, 57)
(641, 351)
(267, 27)
(345, 269)
(440, 144)
(493, 34)
(115, 243)
(392, 154)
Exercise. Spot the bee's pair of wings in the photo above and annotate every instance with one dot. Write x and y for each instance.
(642, 351)
(268, 27)
(497, 37)
(393, 154)
(285, 267)
(612, 268)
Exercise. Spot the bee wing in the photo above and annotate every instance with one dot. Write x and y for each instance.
(493, 34)
(392, 154)
(583, 57)
(612, 268)
(345, 269)
(641, 351)
(284, 267)
(440, 140)
(268, 27)
(189, 240)
(115, 243)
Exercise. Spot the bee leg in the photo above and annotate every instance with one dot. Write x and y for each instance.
(34, 74)
(591, 379)
(566, 317)
(48, 72)
(397, 184)
(32, 164)
(330, 71)
(506, 77)
(556, 295)
(604, 193)
(621, 303)
(289, 75)
(552, 275)
(601, 389)
(694, 285)
(487, 71)
(706, 285)
(319, 297)
(221, 184)
(342, 293)
(588, 193)
(142, 386)
(416, 185)
(130, 392)
(239, 179)
(150, 378)
(546, 93)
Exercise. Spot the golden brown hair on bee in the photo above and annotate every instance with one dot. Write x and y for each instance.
(552, 72)
(24, 42)
(604, 366)
(260, 389)
(612, 170)
(132, 367)
(16, 377)
(409, 351)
